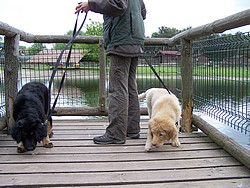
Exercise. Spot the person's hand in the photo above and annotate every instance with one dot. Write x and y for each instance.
(82, 7)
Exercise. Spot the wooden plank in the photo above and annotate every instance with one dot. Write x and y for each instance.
(73, 140)
(89, 134)
(73, 167)
(124, 177)
(88, 157)
(71, 135)
(67, 134)
(115, 149)
(230, 183)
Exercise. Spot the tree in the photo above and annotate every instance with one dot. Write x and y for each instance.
(35, 48)
(93, 29)
(22, 47)
(167, 32)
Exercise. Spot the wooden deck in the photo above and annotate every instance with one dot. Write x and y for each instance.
(76, 161)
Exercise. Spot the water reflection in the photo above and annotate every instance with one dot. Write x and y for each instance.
(208, 94)
(224, 95)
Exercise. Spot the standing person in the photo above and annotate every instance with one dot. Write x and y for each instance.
(123, 32)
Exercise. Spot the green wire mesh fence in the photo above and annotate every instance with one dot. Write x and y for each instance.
(221, 79)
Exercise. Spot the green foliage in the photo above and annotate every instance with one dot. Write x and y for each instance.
(22, 47)
(167, 32)
(35, 48)
(94, 29)
(58, 46)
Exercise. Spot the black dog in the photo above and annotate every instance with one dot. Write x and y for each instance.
(30, 110)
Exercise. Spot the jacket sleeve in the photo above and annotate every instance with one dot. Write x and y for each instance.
(143, 10)
(108, 7)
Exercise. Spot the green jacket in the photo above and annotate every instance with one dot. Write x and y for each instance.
(123, 21)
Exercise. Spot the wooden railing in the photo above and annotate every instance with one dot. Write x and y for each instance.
(14, 35)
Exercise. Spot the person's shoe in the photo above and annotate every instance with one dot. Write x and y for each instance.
(133, 135)
(104, 139)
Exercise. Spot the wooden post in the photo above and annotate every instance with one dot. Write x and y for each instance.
(11, 49)
(187, 85)
(102, 82)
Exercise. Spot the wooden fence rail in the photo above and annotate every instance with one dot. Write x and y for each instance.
(14, 35)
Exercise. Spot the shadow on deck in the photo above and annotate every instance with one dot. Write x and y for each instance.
(76, 161)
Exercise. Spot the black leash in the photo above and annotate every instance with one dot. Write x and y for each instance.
(75, 33)
(156, 74)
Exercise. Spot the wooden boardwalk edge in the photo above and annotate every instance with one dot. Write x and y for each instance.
(232, 147)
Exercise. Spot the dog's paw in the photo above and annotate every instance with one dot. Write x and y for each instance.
(48, 145)
(147, 148)
(20, 147)
(20, 150)
(176, 144)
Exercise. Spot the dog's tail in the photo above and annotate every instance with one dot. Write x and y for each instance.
(142, 96)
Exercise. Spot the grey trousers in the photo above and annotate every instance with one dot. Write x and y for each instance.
(123, 108)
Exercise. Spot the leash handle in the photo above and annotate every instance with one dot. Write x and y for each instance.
(156, 74)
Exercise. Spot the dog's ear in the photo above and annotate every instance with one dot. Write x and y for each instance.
(41, 131)
(17, 131)
(170, 133)
(151, 123)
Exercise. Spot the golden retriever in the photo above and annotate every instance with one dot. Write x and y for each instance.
(164, 112)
